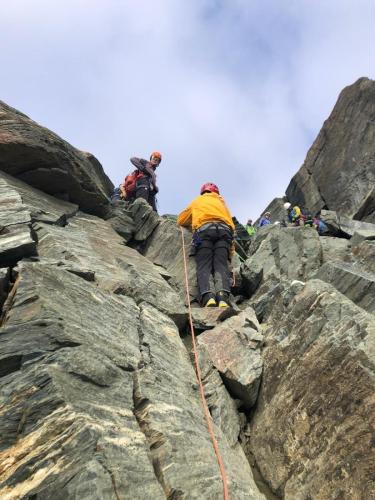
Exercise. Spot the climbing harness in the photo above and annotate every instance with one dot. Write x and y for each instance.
(199, 378)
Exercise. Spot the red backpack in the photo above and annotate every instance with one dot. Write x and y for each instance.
(130, 182)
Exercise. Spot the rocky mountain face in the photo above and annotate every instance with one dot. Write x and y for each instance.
(339, 171)
(98, 393)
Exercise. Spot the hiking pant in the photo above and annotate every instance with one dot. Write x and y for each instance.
(212, 258)
(143, 190)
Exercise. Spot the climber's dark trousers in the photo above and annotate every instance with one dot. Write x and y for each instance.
(144, 191)
(212, 260)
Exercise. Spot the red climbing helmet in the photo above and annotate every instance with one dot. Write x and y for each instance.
(209, 187)
(156, 154)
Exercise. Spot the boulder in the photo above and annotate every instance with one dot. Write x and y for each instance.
(312, 430)
(42, 159)
(234, 349)
(339, 172)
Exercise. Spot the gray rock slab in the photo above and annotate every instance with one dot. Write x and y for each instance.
(335, 249)
(345, 226)
(362, 235)
(313, 425)
(364, 254)
(42, 159)
(352, 281)
(164, 248)
(90, 244)
(121, 220)
(299, 252)
(294, 253)
(15, 243)
(39, 205)
(234, 348)
(68, 431)
(144, 218)
(222, 407)
(171, 417)
(44, 317)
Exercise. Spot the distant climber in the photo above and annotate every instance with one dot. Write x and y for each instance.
(320, 226)
(213, 229)
(250, 228)
(294, 214)
(142, 182)
(303, 217)
(118, 195)
(265, 220)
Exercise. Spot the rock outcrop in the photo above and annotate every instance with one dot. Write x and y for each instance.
(312, 432)
(98, 393)
(42, 159)
(339, 171)
(312, 428)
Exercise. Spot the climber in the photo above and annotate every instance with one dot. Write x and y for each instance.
(296, 216)
(213, 230)
(143, 181)
(319, 225)
(118, 195)
(264, 220)
(250, 228)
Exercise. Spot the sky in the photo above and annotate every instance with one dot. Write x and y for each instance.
(230, 91)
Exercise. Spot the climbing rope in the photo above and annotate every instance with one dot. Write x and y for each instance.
(199, 378)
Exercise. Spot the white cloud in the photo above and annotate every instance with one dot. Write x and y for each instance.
(230, 91)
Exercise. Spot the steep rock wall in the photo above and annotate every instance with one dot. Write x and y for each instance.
(339, 170)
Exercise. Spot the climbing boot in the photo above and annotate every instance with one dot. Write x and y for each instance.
(209, 300)
(222, 299)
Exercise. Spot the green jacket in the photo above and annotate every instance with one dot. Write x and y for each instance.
(250, 230)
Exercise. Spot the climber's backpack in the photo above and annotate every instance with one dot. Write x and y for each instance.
(130, 182)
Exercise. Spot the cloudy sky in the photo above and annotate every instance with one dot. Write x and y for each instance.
(230, 91)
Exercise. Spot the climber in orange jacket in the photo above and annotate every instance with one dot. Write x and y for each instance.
(213, 230)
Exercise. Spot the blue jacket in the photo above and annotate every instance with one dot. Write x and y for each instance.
(263, 222)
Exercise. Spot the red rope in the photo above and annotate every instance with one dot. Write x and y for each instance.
(199, 378)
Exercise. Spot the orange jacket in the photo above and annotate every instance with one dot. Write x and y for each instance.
(208, 207)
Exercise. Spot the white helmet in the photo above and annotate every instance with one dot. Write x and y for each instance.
(287, 205)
